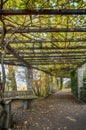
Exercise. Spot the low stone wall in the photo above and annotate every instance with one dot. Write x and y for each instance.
(16, 93)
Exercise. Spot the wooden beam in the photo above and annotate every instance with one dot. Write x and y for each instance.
(44, 12)
(51, 48)
(17, 63)
(46, 41)
(50, 56)
(27, 64)
(14, 63)
(16, 55)
(69, 52)
(62, 60)
(45, 30)
(63, 68)
(41, 63)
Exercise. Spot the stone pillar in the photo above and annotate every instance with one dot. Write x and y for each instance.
(61, 82)
(56, 83)
(80, 79)
(29, 79)
(51, 84)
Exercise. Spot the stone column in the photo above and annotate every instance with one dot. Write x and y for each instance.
(56, 83)
(29, 79)
(80, 79)
(61, 82)
(51, 84)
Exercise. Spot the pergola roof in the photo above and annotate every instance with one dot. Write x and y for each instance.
(48, 35)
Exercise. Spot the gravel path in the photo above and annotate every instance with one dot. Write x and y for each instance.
(60, 111)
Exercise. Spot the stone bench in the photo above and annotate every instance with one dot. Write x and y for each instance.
(26, 100)
(6, 116)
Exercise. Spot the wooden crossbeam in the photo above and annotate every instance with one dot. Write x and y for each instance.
(41, 63)
(44, 65)
(45, 30)
(50, 48)
(71, 56)
(43, 59)
(12, 51)
(55, 52)
(49, 60)
(27, 64)
(50, 56)
(44, 12)
(46, 41)
(62, 68)
(14, 63)
(21, 64)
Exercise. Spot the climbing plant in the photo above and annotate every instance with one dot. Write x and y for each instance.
(41, 86)
(83, 89)
(46, 41)
(11, 80)
(74, 86)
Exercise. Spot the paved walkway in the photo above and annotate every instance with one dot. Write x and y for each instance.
(60, 111)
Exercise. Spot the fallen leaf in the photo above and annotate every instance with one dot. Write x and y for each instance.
(25, 122)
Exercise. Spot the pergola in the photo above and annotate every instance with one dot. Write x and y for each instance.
(48, 35)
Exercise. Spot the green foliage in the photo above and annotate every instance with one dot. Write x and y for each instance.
(83, 89)
(74, 86)
(22, 4)
(41, 86)
(11, 81)
(8, 83)
(84, 76)
(83, 94)
(13, 22)
(44, 21)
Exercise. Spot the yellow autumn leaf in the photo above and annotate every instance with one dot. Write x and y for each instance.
(25, 122)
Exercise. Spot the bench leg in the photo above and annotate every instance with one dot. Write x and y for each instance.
(8, 119)
(27, 104)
